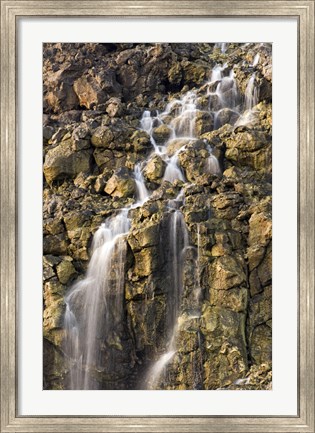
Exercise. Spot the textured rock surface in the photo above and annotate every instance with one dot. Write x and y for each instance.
(94, 97)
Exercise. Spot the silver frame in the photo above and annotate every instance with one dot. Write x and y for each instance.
(10, 11)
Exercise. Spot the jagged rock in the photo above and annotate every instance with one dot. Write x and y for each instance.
(140, 141)
(193, 73)
(250, 149)
(176, 144)
(89, 92)
(53, 311)
(104, 158)
(65, 271)
(147, 236)
(94, 98)
(225, 116)
(55, 244)
(161, 133)
(234, 299)
(48, 132)
(260, 343)
(154, 170)
(146, 262)
(102, 137)
(224, 333)
(61, 98)
(225, 273)
(54, 226)
(114, 107)
(121, 184)
(203, 123)
(100, 183)
(259, 229)
(63, 162)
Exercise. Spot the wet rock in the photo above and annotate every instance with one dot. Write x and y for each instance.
(176, 144)
(161, 134)
(260, 227)
(140, 141)
(203, 123)
(225, 116)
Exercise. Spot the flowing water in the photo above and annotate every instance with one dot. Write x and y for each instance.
(251, 93)
(178, 243)
(95, 305)
(88, 311)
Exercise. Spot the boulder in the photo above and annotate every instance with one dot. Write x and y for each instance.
(89, 92)
(154, 170)
(55, 244)
(121, 184)
(161, 134)
(63, 162)
(224, 116)
(102, 137)
(65, 271)
(114, 107)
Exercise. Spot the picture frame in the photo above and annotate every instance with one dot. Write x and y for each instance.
(11, 421)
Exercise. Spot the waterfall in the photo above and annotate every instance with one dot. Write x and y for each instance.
(184, 122)
(178, 243)
(94, 306)
(222, 46)
(213, 163)
(256, 60)
(216, 73)
(173, 171)
(142, 192)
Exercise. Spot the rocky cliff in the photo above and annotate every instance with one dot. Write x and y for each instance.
(119, 121)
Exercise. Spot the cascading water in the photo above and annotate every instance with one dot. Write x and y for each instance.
(213, 163)
(88, 311)
(178, 243)
(95, 305)
(222, 46)
(251, 93)
(142, 191)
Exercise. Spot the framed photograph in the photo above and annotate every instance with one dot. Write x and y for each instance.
(157, 216)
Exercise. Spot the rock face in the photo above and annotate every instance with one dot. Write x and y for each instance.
(180, 137)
